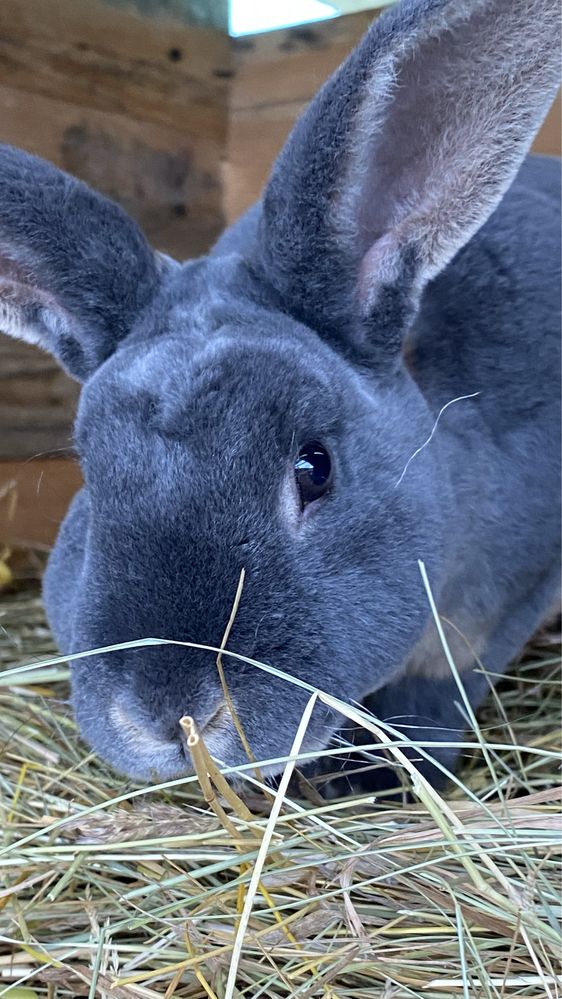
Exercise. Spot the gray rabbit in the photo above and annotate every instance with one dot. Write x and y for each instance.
(270, 406)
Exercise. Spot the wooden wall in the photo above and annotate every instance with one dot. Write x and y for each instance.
(172, 119)
(136, 106)
(275, 75)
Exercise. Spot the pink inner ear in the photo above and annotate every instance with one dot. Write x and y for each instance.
(443, 126)
(28, 313)
(13, 292)
(15, 269)
(14, 300)
(380, 266)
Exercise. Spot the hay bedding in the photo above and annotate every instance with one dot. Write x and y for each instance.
(111, 890)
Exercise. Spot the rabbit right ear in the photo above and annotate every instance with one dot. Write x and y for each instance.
(75, 271)
(401, 157)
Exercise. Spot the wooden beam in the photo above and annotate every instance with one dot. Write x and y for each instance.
(96, 55)
(138, 110)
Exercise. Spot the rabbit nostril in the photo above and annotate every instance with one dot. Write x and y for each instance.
(216, 721)
(212, 731)
(213, 723)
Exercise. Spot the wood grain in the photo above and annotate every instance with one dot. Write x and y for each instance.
(135, 106)
(34, 498)
(166, 179)
(112, 57)
(37, 402)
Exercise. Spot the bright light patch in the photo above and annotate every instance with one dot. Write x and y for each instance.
(249, 16)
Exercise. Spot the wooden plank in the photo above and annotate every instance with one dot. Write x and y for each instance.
(548, 141)
(101, 56)
(136, 107)
(37, 402)
(291, 64)
(168, 180)
(34, 498)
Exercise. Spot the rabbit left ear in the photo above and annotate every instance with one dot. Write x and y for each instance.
(75, 270)
(402, 156)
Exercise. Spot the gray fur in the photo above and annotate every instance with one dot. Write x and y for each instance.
(367, 289)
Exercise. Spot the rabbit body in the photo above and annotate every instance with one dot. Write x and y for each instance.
(395, 317)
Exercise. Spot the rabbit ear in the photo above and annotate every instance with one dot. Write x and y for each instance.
(402, 156)
(75, 271)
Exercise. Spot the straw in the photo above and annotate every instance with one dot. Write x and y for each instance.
(190, 890)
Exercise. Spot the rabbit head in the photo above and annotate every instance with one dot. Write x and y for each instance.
(255, 409)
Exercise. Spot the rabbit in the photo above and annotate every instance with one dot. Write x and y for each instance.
(360, 375)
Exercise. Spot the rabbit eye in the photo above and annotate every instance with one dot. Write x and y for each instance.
(313, 472)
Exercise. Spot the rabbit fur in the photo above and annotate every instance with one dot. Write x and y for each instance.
(404, 254)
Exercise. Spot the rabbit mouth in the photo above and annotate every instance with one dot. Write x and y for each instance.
(137, 735)
(143, 751)
(135, 749)
(146, 749)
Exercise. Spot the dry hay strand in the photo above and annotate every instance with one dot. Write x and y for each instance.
(113, 890)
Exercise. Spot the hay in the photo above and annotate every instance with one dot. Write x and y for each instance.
(111, 890)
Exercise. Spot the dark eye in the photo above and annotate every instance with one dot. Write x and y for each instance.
(313, 472)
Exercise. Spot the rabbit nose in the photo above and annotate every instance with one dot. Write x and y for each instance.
(149, 749)
(215, 732)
